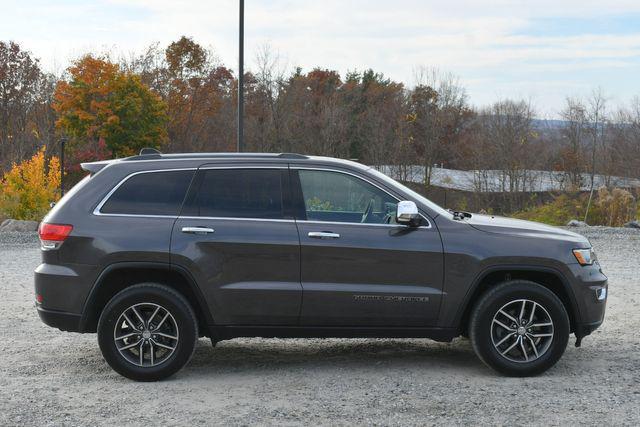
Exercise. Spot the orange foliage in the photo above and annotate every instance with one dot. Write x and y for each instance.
(102, 102)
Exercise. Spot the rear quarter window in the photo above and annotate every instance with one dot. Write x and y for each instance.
(150, 193)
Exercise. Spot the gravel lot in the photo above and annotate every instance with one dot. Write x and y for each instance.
(48, 377)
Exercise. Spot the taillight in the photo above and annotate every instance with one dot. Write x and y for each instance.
(52, 235)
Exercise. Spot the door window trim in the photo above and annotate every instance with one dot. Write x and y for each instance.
(296, 168)
(105, 199)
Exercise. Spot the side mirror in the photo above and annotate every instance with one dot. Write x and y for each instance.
(407, 213)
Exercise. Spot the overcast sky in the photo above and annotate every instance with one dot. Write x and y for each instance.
(541, 50)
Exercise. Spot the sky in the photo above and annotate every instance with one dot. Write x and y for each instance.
(539, 50)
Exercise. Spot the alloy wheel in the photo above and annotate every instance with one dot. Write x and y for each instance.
(146, 334)
(522, 331)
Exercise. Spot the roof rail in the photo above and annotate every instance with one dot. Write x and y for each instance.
(149, 150)
(292, 156)
(153, 154)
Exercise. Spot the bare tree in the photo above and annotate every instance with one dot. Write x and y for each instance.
(573, 132)
(596, 115)
(508, 133)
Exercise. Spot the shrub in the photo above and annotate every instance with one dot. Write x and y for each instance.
(615, 207)
(29, 187)
(563, 208)
(611, 208)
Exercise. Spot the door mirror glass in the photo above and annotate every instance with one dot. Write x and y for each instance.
(407, 213)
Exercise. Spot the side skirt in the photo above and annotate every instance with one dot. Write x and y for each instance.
(228, 332)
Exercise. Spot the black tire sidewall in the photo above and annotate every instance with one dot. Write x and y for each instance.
(489, 305)
(149, 293)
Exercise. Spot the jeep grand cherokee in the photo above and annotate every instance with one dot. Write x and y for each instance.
(154, 251)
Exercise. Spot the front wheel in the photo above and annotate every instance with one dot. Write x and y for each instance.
(519, 328)
(147, 332)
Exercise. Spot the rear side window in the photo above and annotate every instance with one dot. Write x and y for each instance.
(150, 193)
(238, 193)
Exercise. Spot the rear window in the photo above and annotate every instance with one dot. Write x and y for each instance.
(238, 193)
(150, 193)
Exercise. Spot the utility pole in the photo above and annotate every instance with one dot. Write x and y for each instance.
(63, 141)
(241, 80)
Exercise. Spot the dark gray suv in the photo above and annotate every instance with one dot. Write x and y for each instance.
(154, 251)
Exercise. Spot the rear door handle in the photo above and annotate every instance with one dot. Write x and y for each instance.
(323, 235)
(197, 230)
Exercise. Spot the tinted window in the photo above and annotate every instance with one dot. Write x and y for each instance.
(151, 193)
(239, 193)
(338, 197)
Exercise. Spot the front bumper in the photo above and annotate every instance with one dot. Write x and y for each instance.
(591, 291)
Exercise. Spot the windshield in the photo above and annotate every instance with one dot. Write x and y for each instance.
(417, 196)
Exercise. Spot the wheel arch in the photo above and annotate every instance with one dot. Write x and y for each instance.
(550, 278)
(119, 276)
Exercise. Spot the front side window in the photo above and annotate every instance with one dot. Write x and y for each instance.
(338, 197)
(238, 193)
(150, 193)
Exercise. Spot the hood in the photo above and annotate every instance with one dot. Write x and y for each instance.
(518, 227)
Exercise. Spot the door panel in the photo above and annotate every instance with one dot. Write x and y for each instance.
(370, 275)
(248, 270)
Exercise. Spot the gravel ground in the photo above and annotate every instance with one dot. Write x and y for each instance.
(48, 377)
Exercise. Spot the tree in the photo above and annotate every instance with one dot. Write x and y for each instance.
(508, 139)
(25, 112)
(596, 115)
(437, 116)
(574, 132)
(29, 187)
(100, 102)
(199, 98)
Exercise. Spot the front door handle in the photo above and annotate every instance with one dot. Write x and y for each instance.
(323, 235)
(197, 230)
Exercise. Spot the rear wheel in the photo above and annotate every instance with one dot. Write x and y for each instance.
(519, 328)
(147, 332)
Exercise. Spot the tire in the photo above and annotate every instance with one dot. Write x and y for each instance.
(501, 346)
(167, 337)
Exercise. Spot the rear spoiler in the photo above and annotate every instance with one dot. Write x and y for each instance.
(95, 167)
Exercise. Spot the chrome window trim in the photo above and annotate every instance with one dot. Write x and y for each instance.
(362, 179)
(97, 211)
(234, 218)
(248, 167)
(104, 200)
(365, 224)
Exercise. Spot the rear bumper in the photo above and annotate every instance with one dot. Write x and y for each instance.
(62, 320)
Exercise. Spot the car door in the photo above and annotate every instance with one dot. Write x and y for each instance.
(236, 237)
(358, 267)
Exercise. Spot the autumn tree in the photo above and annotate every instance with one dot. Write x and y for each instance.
(199, 94)
(436, 115)
(100, 102)
(30, 186)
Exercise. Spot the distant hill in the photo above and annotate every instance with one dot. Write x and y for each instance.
(545, 124)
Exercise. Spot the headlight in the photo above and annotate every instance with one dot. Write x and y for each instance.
(585, 256)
